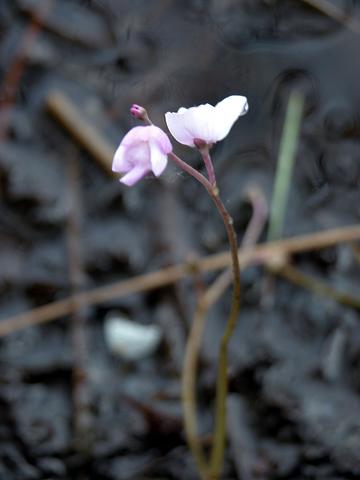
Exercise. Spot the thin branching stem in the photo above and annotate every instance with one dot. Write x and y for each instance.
(217, 453)
(205, 299)
(188, 386)
(208, 165)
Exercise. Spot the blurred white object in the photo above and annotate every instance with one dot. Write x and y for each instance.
(130, 340)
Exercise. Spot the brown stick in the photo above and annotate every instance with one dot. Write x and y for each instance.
(61, 107)
(334, 12)
(12, 78)
(169, 275)
(295, 276)
(78, 319)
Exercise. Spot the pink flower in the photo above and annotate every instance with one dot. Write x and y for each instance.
(205, 122)
(142, 150)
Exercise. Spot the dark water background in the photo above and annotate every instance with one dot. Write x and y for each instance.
(71, 410)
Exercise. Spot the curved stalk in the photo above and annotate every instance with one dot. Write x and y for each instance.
(217, 453)
(188, 387)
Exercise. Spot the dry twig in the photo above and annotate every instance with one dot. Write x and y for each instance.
(61, 107)
(295, 276)
(335, 13)
(82, 418)
(150, 281)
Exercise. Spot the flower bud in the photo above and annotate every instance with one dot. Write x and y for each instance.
(139, 112)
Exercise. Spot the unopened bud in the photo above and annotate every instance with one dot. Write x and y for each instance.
(140, 113)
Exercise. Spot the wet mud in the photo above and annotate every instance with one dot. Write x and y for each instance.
(69, 407)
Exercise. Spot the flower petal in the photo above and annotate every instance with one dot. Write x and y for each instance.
(142, 150)
(227, 112)
(206, 122)
(123, 160)
(120, 162)
(158, 158)
(135, 135)
(139, 154)
(200, 122)
(189, 123)
(134, 175)
(160, 138)
(176, 123)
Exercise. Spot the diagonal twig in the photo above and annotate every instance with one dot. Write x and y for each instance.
(76, 123)
(334, 12)
(295, 276)
(150, 281)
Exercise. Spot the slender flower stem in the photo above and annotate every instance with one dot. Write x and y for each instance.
(204, 149)
(217, 453)
(188, 387)
(189, 374)
(208, 164)
(193, 172)
(205, 300)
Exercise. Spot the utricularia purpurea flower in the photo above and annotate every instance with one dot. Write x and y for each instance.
(144, 149)
(141, 151)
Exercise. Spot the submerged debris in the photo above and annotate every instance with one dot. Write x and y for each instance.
(130, 340)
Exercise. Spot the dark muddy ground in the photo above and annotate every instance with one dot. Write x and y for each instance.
(69, 408)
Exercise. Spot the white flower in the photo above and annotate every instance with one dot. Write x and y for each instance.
(205, 122)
